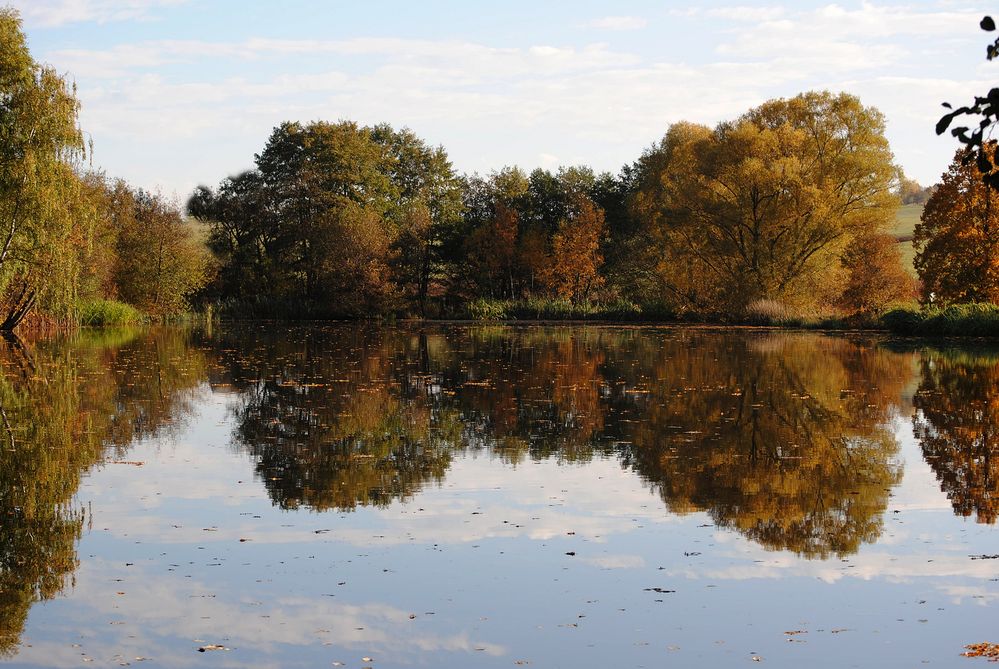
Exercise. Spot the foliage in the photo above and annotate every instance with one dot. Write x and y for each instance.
(763, 207)
(910, 192)
(576, 256)
(348, 217)
(160, 262)
(39, 190)
(983, 114)
(957, 238)
(875, 275)
(955, 320)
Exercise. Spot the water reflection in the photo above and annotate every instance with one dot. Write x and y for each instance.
(957, 425)
(782, 437)
(65, 406)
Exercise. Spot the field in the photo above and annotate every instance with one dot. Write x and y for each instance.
(905, 222)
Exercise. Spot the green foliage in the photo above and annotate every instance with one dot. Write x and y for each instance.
(40, 143)
(101, 313)
(956, 320)
(486, 309)
(160, 263)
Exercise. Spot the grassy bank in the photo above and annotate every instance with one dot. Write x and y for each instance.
(958, 320)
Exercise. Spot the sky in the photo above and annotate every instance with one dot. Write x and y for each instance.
(177, 93)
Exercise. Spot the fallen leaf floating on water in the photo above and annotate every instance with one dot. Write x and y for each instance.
(985, 649)
(211, 646)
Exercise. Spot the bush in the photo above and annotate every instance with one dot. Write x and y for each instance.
(903, 320)
(100, 313)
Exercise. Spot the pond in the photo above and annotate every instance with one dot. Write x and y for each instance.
(479, 496)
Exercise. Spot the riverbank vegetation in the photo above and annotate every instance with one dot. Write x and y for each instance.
(785, 215)
(789, 205)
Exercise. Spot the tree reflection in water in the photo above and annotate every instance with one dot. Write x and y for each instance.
(65, 405)
(782, 437)
(957, 425)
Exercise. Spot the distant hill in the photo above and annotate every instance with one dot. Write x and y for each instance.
(905, 222)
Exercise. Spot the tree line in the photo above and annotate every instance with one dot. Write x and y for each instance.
(790, 203)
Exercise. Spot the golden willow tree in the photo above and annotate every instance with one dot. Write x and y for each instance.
(957, 238)
(764, 207)
(39, 190)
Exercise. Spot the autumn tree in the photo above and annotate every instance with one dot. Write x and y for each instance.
(161, 263)
(342, 219)
(957, 238)
(874, 274)
(911, 192)
(763, 207)
(576, 256)
(494, 206)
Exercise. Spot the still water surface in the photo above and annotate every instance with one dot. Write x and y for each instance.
(496, 496)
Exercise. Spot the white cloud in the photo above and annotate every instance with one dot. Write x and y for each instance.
(741, 13)
(494, 104)
(53, 13)
(618, 23)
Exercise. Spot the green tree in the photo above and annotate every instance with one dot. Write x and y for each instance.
(427, 214)
(160, 262)
(39, 144)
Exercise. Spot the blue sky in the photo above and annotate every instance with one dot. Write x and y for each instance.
(181, 92)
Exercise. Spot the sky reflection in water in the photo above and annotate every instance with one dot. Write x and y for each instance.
(478, 496)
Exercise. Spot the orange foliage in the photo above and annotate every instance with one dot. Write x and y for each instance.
(576, 255)
(957, 239)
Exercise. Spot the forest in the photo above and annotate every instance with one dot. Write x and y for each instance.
(782, 215)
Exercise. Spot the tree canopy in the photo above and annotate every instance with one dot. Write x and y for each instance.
(957, 238)
(763, 207)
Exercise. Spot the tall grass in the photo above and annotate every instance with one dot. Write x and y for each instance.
(101, 313)
(957, 320)
(549, 309)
